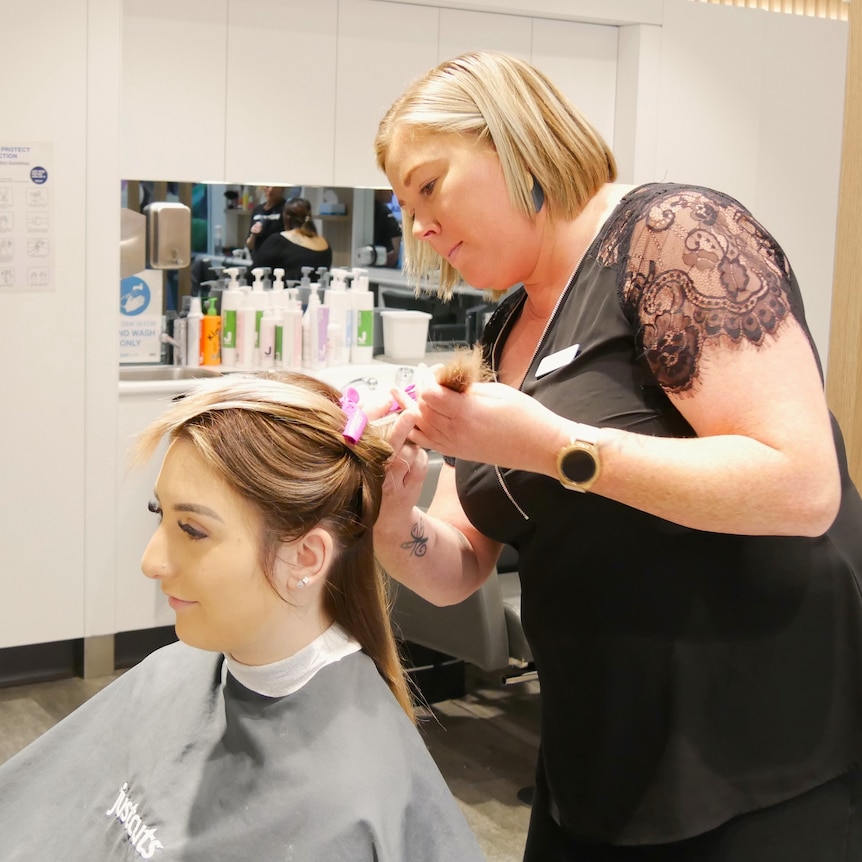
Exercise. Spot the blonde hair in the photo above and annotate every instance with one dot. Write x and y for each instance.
(276, 439)
(538, 135)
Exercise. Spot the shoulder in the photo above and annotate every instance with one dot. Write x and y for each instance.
(364, 700)
(168, 671)
(660, 212)
(698, 270)
(275, 242)
(382, 767)
(154, 687)
(703, 234)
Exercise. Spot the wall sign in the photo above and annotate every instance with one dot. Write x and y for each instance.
(141, 317)
(26, 217)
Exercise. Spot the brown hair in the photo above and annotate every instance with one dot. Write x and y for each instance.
(276, 439)
(297, 216)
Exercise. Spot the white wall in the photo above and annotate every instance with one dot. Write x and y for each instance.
(53, 473)
(746, 101)
(751, 103)
(636, 104)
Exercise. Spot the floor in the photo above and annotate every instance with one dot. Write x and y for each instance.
(484, 744)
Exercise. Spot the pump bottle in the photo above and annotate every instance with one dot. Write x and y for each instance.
(291, 332)
(340, 336)
(230, 301)
(211, 335)
(181, 332)
(362, 349)
(260, 302)
(193, 336)
(314, 325)
(268, 323)
(245, 331)
(305, 285)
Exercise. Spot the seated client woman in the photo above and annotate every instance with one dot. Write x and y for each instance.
(298, 245)
(281, 726)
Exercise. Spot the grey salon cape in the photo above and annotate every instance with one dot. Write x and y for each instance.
(177, 760)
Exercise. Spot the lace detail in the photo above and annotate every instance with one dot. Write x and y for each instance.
(695, 269)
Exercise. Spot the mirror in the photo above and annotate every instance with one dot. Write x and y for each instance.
(220, 220)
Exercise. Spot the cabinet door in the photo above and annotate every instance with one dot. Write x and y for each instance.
(581, 59)
(280, 92)
(462, 31)
(382, 47)
(172, 101)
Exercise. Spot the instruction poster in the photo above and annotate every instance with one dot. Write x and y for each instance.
(26, 217)
(141, 317)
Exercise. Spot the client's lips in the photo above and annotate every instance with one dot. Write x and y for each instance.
(179, 604)
(453, 252)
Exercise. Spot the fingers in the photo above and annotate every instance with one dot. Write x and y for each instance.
(399, 427)
(406, 468)
(376, 405)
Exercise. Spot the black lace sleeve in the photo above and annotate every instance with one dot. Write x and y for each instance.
(698, 270)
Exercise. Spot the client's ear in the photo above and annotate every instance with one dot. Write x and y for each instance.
(305, 562)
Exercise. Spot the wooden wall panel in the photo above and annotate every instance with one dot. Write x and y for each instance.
(844, 378)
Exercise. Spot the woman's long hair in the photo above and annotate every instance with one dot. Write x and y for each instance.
(277, 440)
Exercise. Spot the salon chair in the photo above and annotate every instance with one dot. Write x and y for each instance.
(483, 630)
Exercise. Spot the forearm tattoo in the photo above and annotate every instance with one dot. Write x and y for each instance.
(418, 542)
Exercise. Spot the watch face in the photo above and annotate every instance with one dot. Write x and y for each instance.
(578, 465)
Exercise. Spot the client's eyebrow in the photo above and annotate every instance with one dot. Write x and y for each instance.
(198, 510)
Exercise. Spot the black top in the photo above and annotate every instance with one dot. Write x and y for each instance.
(279, 251)
(271, 221)
(686, 676)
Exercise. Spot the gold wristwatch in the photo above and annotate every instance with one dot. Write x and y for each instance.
(578, 464)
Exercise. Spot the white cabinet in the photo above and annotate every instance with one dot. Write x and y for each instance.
(280, 122)
(291, 92)
(614, 12)
(382, 47)
(581, 59)
(172, 98)
(462, 31)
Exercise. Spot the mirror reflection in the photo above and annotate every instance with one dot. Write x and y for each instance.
(304, 230)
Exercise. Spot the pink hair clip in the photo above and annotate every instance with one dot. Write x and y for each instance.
(395, 406)
(356, 418)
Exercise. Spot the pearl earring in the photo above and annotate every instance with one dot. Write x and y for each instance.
(302, 582)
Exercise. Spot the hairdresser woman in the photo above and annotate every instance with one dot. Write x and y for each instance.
(658, 449)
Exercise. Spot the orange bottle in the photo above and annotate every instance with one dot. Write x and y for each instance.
(211, 335)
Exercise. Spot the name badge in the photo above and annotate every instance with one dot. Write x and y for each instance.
(557, 360)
